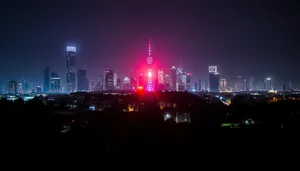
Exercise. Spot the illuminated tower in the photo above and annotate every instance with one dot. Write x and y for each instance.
(149, 66)
(70, 75)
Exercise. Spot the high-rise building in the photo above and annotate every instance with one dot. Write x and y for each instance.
(188, 82)
(160, 76)
(213, 79)
(12, 87)
(133, 83)
(55, 84)
(239, 86)
(109, 80)
(82, 80)
(167, 81)
(39, 89)
(223, 84)
(205, 84)
(126, 84)
(118, 85)
(141, 81)
(149, 61)
(195, 86)
(199, 88)
(47, 79)
(70, 75)
(290, 86)
(115, 79)
(182, 82)
(268, 84)
(174, 78)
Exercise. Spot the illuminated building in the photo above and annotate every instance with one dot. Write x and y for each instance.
(133, 83)
(12, 87)
(205, 84)
(141, 81)
(160, 76)
(199, 87)
(174, 78)
(115, 79)
(149, 61)
(188, 81)
(55, 84)
(126, 84)
(182, 82)
(223, 84)
(70, 75)
(167, 82)
(118, 85)
(213, 79)
(19, 88)
(39, 89)
(46, 79)
(82, 80)
(268, 84)
(109, 80)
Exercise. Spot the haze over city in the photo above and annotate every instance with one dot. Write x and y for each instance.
(241, 37)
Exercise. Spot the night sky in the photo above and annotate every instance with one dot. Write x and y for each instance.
(249, 38)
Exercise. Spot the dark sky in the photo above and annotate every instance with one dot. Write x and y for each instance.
(249, 38)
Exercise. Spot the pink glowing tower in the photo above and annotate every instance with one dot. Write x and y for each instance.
(149, 67)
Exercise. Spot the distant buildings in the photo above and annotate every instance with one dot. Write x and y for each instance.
(55, 83)
(223, 84)
(268, 84)
(174, 78)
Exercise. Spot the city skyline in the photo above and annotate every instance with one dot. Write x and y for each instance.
(258, 45)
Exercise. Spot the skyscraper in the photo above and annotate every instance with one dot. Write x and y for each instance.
(268, 83)
(47, 79)
(223, 84)
(12, 87)
(174, 78)
(199, 88)
(188, 82)
(115, 79)
(213, 79)
(82, 80)
(205, 84)
(149, 61)
(70, 75)
(109, 80)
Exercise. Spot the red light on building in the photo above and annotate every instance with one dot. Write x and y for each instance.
(140, 88)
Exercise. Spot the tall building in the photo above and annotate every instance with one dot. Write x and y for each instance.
(290, 86)
(174, 78)
(82, 80)
(55, 84)
(213, 79)
(199, 88)
(118, 85)
(126, 84)
(141, 81)
(70, 75)
(39, 89)
(109, 80)
(115, 79)
(205, 84)
(149, 61)
(223, 84)
(188, 82)
(268, 84)
(47, 78)
(239, 85)
(160, 73)
(167, 82)
(12, 87)
(133, 83)
(182, 82)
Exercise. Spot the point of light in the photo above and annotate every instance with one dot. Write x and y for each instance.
(268, 78)
(140, 88)
(71, 49)
(149, 74)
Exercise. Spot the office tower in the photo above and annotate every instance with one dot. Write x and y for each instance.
(239, 86)
(109, 80)
(55, 83)
(149, 61)
(82, 80)
(12, 87)
(39, 89)
(47, 79)
(195, 86)
(223, 84)
(115, 79)
(126, 83)
(213, 79)
(199, 87)
(188, 82)
(160, 73)
(268, 84)
(182, 82)
(19, 88)
(174, 78)
(167, 82)
(284, 87)
(133, 83)
(70, 75)
(119, 84)
(205, 84)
